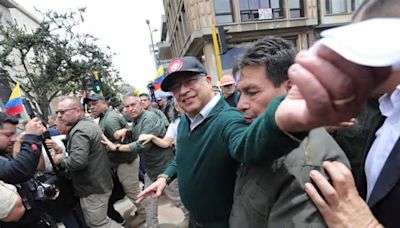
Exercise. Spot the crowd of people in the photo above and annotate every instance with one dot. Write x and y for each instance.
(280, 145)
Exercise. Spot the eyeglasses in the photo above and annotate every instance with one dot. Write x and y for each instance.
(187, 83)
(64, 111)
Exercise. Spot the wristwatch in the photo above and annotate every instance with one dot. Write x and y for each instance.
(162, 175)
(117, 147)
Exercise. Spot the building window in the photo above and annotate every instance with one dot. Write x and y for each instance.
(260, 9)
(335, 6)
(296, 8)
(223, 11)
(355, 4)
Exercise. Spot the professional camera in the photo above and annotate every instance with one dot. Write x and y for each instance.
(45, 192)
(44, 187)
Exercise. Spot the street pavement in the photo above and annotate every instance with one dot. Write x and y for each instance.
(169, 216)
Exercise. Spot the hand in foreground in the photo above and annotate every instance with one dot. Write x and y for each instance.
(342, 125)
(57, 158)
(110, 146)
(50, 143)
(145, 138)
(120, 134)
(154, 190)
(340, 205)
(34, 127)
(328, 90)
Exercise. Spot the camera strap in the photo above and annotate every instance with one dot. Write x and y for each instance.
(46, 135)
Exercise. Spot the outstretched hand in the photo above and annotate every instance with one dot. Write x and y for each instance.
(155, 190)
(340, 204)
(120, 134)
(328, 90)
(145, 138)
(110, 146)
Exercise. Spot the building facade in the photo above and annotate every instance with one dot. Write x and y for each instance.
(187, 25)
(12, 12)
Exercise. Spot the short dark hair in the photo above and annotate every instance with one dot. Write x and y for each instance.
(6, 118)
(145, 95)
(275, 53)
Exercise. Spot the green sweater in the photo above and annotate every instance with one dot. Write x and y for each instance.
(208, 157)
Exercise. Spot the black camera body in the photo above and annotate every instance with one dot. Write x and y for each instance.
(42, 187)
(45, 192)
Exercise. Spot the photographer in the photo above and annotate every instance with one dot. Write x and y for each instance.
(11, 207)
(23, 166)
(20, 171)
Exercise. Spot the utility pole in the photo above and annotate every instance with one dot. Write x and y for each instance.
(152, 44)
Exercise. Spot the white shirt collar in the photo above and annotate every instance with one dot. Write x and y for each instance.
(390, 103)
(202, 115)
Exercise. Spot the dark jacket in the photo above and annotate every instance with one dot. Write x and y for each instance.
(87, 160)
(384, 200)
(273, 195)
(22, 168)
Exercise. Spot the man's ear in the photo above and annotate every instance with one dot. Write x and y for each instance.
(209, 78)
(287, 85)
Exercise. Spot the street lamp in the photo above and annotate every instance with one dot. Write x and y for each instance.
(156, 61)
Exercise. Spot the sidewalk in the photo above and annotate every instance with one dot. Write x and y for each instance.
(169, 216)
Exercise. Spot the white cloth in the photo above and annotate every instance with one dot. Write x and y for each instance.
(58, 139)
(372, 42)
(386, 138)
(172, 130)
(199, 118)
(8, 199)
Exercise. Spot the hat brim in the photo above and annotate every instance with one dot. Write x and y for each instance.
(168, 81)
(227, 83)
(87, 99)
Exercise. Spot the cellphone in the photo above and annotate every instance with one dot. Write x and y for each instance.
(46, 135)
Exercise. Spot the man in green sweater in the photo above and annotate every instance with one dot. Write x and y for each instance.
(213, 139)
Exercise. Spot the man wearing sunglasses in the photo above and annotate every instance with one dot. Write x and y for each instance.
(87, 162)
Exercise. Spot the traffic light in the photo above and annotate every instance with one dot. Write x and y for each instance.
(97, 87)
(223, 39)
(89, 80)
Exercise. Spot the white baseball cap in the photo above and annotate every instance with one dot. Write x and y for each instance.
(374, 42)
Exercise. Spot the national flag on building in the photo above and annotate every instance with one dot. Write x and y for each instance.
(158, 78)
(14, 104)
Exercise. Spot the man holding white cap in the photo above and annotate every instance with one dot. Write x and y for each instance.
(365, 53)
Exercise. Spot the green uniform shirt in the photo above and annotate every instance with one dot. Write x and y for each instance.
(109, 123)
(155, 159)
(207, 158)
(160, 113)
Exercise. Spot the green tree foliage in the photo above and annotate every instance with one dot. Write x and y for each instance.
(54, 59)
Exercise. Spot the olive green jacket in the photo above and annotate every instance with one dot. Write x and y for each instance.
(272, 195)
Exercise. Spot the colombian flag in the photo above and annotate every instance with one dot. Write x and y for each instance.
(158, 78)
(14, 105)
